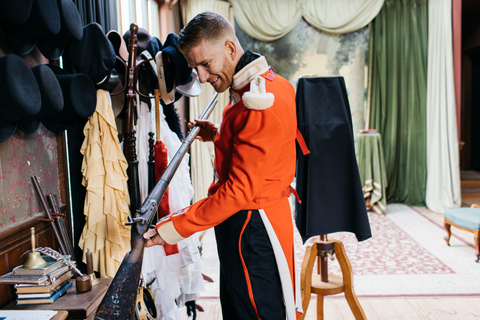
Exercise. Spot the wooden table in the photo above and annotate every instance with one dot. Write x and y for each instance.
(78, 305)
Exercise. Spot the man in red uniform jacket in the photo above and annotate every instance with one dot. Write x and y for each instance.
(248, 202)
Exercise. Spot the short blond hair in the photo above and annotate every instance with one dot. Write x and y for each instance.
(204, 26)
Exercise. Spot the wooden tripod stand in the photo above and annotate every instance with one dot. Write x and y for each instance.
(323, 284)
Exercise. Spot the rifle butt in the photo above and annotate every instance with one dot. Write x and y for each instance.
(119, 300)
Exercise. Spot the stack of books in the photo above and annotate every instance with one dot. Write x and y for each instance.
(39, 285)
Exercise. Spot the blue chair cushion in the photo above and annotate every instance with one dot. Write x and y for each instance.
(468, 218)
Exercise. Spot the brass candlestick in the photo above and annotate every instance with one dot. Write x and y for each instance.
(34, 259)
(90, 271)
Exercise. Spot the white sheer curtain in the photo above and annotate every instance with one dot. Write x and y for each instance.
(202, 153)
(443, 169)
(271, 20)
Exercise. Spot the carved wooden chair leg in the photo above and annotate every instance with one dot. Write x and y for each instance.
(448, 228)
(477, 244)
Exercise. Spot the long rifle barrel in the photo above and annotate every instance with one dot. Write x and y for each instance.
(147, 211)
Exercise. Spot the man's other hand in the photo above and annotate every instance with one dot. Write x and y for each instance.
(153, 238)
(207, 129)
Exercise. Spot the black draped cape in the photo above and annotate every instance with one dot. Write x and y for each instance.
(327, 179)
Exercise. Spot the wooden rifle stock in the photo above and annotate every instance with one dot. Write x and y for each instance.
(119, 301)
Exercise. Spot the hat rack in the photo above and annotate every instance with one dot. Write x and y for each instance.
(129, 125)
(130, 90)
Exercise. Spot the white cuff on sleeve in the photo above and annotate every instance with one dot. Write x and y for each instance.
(168, 233)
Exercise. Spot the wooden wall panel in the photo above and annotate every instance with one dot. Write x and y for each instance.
(42, 154)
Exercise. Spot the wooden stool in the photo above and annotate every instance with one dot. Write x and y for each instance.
(466, 219)
(323, 284)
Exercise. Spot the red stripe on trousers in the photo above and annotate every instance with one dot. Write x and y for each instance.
(245, 270)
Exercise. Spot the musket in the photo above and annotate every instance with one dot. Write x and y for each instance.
(119, 301)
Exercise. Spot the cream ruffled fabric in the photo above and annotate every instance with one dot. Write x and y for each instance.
(107, 201)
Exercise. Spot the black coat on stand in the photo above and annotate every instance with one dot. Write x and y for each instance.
(327, 180)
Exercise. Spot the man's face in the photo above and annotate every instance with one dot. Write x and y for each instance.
(214, 63)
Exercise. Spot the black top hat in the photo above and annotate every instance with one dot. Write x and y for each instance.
(71, 30)
(44, 20)
(15, 12)
(52, 98)
(93, 54)
(19, 94)
(80, 100)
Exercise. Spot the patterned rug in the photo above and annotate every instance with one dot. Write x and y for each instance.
(390, 251)
(406, 256)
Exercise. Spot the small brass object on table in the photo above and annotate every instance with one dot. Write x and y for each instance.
(34, 259)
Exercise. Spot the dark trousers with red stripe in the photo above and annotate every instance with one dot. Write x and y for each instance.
(250, 285)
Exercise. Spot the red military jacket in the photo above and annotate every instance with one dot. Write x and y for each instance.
(254, 154)
(255, 164)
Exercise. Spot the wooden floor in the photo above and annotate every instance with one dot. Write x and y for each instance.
(374, 308)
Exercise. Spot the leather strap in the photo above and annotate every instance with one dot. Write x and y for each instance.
(301, 143)
(288, 191)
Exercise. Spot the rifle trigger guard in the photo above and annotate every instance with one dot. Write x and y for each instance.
(132, 221)
(145, 214)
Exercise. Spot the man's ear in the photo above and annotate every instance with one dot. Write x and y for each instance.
(231, 49)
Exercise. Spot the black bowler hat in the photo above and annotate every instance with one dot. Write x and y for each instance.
(186, 79)
(142, 36)
(93, 54)
(52, 98)
(19, 94)
(15, 11)
(71, 30)
(182, 70)
(80, 100)
(173, 71)
(44, 20)
(153, 46)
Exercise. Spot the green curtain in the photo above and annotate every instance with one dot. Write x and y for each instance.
(398, 96)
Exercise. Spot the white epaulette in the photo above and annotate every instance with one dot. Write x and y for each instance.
(258, 98)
